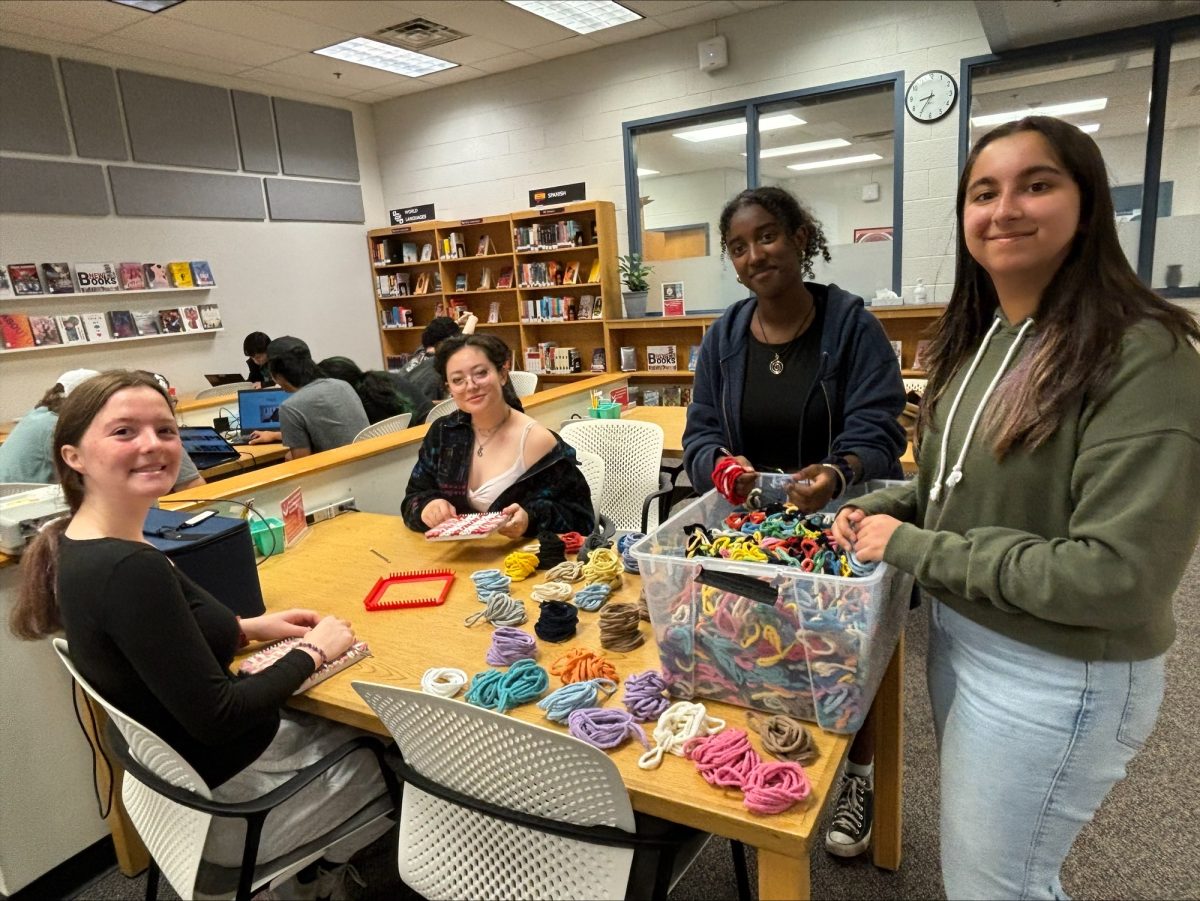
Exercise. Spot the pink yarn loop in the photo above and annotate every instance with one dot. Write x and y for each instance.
(774, 787)
(725, 759)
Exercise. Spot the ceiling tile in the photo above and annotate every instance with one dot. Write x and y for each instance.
(40, 28)
(707, 12)
(402, 87)
(205, 41)
(96, 15)
(578, 44)
(368, 97)
(253, 19)
(299, 82)
(628, 31)
(514, 60)
(321, 69)
(494, 20)
(452, 76)
(659, 7)
(359, 16)
(160, 53)
(470, 49)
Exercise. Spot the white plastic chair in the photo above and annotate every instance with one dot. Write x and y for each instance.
(916, 385)
(592, 467)
(524, 383)
(633, 477)
(498, 808)
(445, 408)
(7, 488)
(172, 808)
(223, 390)
(396, 423)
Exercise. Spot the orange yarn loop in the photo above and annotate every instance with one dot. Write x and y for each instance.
(580, 664)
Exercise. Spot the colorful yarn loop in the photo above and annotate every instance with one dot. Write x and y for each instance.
(572, 542)
(498, 690)
(785, 737)
(603, 728)
(580, 664)
(774, 787)
(592, 597)
(565, 572)
(443, 681)
(624, 543)
(620, 628)
(510, 645)
(551, 591)
(561, 702)
(604, 566)
(725, 759)
(502, 610)
(679, 722)
(488, 581)
(646, 695)
(520, 565)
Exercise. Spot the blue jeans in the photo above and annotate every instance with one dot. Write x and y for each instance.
(1030, 743)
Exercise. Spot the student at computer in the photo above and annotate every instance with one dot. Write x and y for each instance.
(254, 346)
(490, 456)
(321, 413)
(421, 369)
(159, 647)
(383, 394)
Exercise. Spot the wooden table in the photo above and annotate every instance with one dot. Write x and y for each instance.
(252, 456)
(333, 568)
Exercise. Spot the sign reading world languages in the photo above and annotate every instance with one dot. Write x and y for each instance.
(422, 213)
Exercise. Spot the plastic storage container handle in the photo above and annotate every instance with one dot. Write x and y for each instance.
(746, 586)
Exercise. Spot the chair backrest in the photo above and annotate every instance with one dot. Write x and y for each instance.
(451, 851)
(524, 383)
(445, 408)
(385, 427)
(174, 834)
(222, 390)
(7, 488)
(916, 385)
(592, 467)
(632, 454)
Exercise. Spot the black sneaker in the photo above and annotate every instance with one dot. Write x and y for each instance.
(850, 830)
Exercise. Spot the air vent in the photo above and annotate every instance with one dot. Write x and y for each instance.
(417, 34)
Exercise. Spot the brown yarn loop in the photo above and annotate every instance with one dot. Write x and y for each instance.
(619, 624)
(643, 606)
(785, 737)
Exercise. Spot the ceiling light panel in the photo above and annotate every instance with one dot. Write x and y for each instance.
(582, 16)
(366, 52)
(733, 129)
(645, 172)
(1053, 109)
(149, 6)
(811, 147)
(841, 161)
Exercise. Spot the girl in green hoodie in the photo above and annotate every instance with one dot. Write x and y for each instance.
(1049, 523)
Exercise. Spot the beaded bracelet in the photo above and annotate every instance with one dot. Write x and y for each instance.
(309, 646)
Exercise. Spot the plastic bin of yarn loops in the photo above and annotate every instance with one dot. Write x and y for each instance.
(818, 651)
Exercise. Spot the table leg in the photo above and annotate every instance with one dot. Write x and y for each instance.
(781, 878)
(889, 762)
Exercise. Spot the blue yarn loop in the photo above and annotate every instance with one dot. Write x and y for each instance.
(561, 702)
(502, 691)
(489, 580)
(592, 597)
(624, 543)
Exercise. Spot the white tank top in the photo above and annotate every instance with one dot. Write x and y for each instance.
(485, 495)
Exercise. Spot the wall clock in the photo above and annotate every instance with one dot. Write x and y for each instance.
(931, 95)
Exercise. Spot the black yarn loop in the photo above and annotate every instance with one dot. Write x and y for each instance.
(557, 621)
(551, 550)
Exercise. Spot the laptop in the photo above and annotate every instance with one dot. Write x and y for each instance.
(224, 378)
(206, 447)
(258, 410)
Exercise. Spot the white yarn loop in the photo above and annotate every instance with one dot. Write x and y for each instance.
(681, 721)
(551, 591)
(443, 681)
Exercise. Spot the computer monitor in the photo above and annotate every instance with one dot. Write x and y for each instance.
(206, 447)
(216, 379)
(258, 409)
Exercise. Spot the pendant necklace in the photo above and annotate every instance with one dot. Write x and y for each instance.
(776, 365)
(494, 431)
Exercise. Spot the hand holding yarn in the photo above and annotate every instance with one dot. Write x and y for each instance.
(873, 535)
(812, 488)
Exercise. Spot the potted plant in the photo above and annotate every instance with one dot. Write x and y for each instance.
(634, 273)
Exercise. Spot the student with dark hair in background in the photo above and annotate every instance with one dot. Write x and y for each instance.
(321, 414)
(383, 394)
(254, 346)
(420, 369)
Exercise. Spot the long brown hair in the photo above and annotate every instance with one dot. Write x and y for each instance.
(36, 614)
(1091, 301)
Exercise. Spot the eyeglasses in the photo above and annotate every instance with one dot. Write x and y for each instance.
(475, 378)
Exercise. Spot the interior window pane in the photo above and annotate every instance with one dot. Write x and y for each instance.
(840, 163)
(1106, 95)
(687, 170)
(1176, 271)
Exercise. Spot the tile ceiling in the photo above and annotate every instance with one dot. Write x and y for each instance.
(268, 43)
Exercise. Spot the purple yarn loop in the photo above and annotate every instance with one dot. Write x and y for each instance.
(646, 696)
(510, 645)
(604, 728)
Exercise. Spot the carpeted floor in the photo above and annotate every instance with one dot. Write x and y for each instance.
(1144, 843)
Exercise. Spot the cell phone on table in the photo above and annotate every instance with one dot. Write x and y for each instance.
(197, 519)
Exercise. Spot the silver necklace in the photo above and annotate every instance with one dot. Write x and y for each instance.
(776, 365)
(492, 433)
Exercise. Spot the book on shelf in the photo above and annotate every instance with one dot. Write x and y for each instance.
(550, 235)
(171, 321)
(25, 280)
(661, 357)
(670, 396)
(436, 280)
(919, 361)
(121, 324)
(487, 280)
(96, 327)
(426, 252)
(180, 274)
(14, 327)
(202, 274)
(533, 359)
(685, 395)
(505, 278)
(379, 252)
(95, 277)
(598, 307)
(554, 272)
(156, 275)
(460, 282)
(440, 309)
(494, 311)
(422, 283)
(571, 272)
(408, 252)
(673, 307)
(72, 329)
(147, 322)
(190, 315)
(456, 308)
(586, 303)
(454, 246)
(693, 357)
(210, 315)
(58, 278)
(599, 364)
(5, 284)
(396, 362)
(131, 276)
(650, 397)
(628, 359)
(594, 274)
(898, 349)
(484, 247)
(45, 331)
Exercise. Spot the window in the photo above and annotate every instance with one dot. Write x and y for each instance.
(1176, 269)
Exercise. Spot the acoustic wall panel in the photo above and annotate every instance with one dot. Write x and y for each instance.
(32, 113)
(256, 132)
(92, 106)
(41, 186)
(316, 141)
(180, 123)
(313, 201)
(185, 195)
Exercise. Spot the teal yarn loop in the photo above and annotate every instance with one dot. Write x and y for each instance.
(562, 702)
(592, 597)
(499, 690)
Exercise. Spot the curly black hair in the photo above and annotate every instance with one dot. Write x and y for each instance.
(790, 212)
